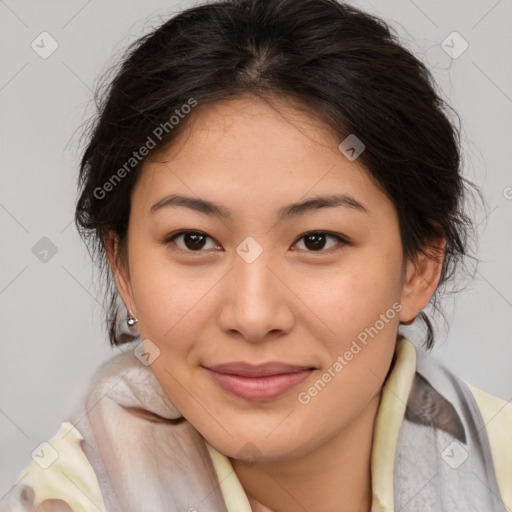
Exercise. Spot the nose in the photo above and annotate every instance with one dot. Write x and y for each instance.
(256, 301)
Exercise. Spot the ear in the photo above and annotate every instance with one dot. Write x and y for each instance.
(422, 276)
(119, 269)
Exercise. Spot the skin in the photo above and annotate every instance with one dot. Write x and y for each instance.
(292, 304)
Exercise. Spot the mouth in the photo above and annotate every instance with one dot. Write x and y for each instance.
(258, 383)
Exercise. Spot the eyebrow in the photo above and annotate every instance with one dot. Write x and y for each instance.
(291, 210)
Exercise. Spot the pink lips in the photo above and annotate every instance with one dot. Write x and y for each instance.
(258, 383)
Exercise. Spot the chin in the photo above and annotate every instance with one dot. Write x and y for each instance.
(262, 448)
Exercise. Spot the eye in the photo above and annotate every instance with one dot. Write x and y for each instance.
(193, 241)
(315, 241)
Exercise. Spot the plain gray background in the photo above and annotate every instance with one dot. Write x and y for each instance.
(51, 312)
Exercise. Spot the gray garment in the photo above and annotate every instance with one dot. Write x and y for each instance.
(443, 460)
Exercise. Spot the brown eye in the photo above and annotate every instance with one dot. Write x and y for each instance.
(192, 241)
(316, 241)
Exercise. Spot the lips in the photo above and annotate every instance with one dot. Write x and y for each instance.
(258, 383)
(247, 370)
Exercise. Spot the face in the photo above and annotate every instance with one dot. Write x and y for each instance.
(321, 287)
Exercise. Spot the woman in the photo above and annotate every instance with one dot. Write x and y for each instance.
(273, 189)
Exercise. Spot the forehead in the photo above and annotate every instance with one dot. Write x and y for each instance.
(247, 149)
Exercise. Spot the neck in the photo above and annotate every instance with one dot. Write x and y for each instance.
(335, 476)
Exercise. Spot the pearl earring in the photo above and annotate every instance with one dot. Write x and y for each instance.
(130, 319)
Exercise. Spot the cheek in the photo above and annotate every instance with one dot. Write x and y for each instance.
(354, 297)
(170, 301)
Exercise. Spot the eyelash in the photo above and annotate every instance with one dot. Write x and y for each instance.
(341, 241)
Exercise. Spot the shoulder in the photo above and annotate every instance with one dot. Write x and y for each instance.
(497, 416)
(59, 477)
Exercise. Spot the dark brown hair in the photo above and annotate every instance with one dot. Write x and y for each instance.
(345, 65)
